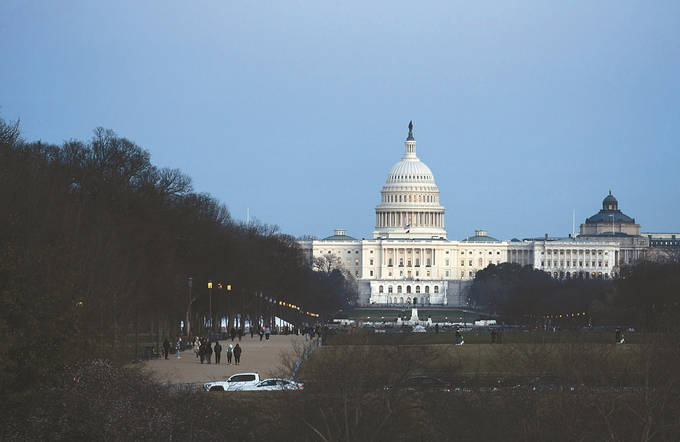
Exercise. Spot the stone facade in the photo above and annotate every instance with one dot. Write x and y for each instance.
(409, 260)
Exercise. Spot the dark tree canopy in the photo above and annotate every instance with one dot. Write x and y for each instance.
(97, 243)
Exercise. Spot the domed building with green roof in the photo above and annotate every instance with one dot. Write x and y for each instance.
(611, 224)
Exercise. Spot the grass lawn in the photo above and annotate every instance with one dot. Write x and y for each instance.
(592, 363)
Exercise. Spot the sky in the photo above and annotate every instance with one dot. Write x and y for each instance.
(525, 111)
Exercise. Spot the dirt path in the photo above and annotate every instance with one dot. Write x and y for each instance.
(263, 357)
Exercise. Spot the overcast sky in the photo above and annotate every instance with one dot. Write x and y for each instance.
(524, 111)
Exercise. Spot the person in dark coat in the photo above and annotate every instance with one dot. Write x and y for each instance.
(240, 333)
(166, 348)
(261, 333)
(208, 351)
(237, 354)
(201, 350)
(232, 333)
(218, 351)
(252, 332)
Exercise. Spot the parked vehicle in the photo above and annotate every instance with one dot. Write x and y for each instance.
(274, 384)
(233, 382)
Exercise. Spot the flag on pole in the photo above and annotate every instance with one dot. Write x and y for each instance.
(408, 226)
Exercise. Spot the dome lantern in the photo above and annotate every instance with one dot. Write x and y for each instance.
(609, 202)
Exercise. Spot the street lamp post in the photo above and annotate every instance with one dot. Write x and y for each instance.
(210, 284)
(188, 323)
(228, 305)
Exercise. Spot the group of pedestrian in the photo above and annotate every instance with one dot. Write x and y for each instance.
(204, 350)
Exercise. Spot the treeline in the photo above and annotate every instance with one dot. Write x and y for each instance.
(97, 244)
(644, 296)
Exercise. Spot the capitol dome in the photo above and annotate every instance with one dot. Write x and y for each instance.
(409, 206)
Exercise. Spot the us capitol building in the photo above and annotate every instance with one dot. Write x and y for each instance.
(410, 261)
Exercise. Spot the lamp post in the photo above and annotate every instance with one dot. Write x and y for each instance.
(228, 311)
(210, 284)
(188, 323)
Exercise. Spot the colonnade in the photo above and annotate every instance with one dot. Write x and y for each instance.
(416, 219)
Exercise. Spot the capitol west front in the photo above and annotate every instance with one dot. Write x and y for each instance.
(410, 261)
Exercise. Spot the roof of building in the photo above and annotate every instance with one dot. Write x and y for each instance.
(610, 213)
(481, 238)
(339, 238)
(607, 235)
(608, 216)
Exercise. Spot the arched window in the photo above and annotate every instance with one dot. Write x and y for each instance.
(408, 289)
(427, 289)
(436, 289)
(417, 289)
(380, 289)
(398, 289)
(401, 300)
(389, 290)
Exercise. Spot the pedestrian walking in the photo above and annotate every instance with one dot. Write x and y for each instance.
(178, 346)
(459, 338)
(267, 332)
(208, 351)
(232, 333)
(218, 351)
(261, 333)
(240, 333)
(166, 348)
(252, 332)
(237, 354)
(230, 351)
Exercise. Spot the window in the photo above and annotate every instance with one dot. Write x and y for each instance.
(417, 289)
(389, 289)
(401, 262)
(389, 262)
(371, 261)
(371, 272)
(470, 263)
(462, 263)
(380, 289)
(427, 289)
(446, 262)
(447, 273)
(428, 273)
(436, 289)
(398, 289)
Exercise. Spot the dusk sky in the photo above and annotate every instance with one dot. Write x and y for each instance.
(297, 110)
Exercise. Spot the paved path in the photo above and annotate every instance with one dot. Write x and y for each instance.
(263, 357)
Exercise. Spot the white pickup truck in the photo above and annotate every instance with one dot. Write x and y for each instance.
(234, 382)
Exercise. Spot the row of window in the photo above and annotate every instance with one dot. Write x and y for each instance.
(480, 262)
(574, 252)
(409, 198)
(573, 263)
(381, 289)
